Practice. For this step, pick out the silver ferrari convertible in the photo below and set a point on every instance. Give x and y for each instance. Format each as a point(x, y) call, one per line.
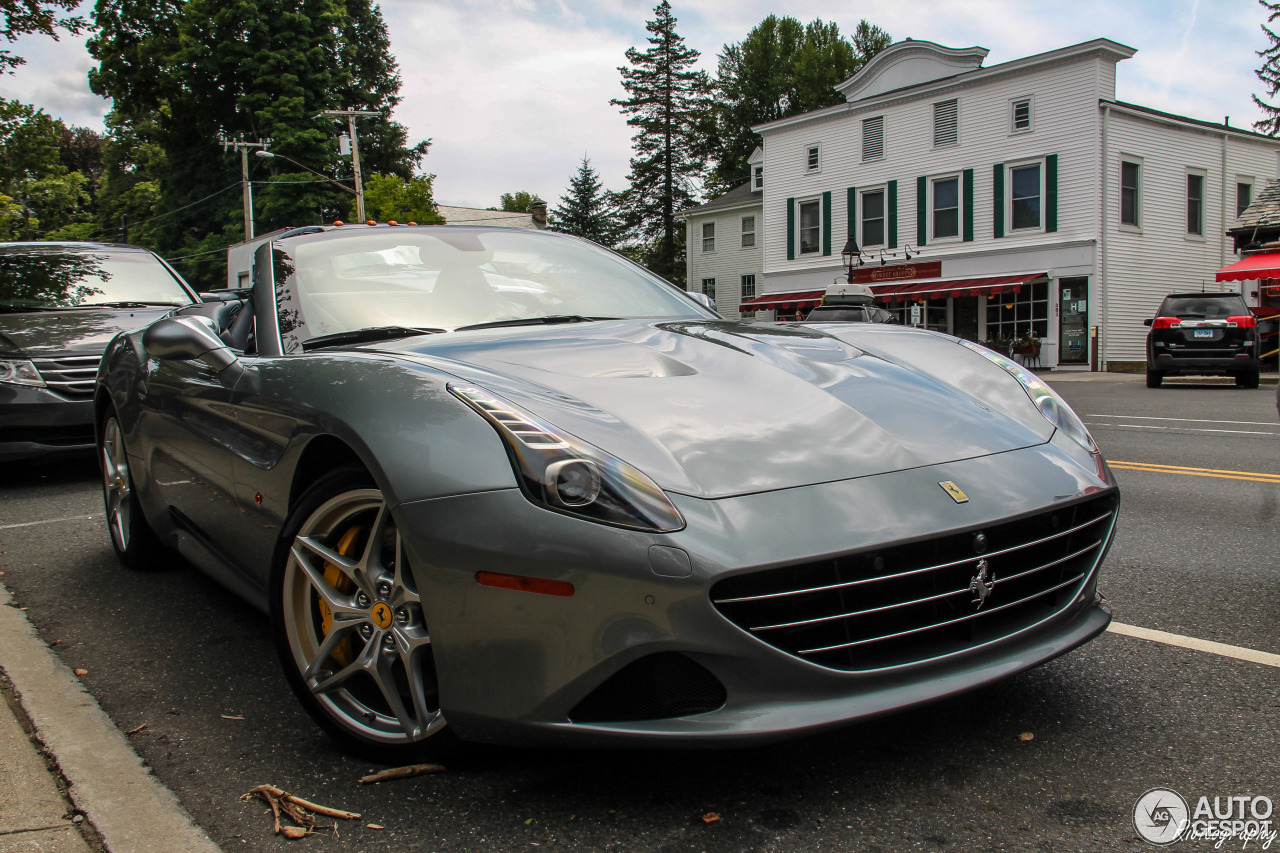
point(506, 486)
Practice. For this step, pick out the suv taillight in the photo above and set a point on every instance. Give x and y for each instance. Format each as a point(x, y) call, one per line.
point(1249, 322)
point(1166, 323)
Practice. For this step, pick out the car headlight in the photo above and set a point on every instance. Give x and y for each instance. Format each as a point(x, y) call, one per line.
point(17, 371)
point(1053, 407)
point(568, 475)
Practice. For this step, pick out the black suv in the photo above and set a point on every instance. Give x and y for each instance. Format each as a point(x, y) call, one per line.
point(850, 314)
point(1203, 334)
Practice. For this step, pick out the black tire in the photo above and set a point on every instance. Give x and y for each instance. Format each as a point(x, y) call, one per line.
point(1154, 379)
point(345, 674)
point(135, 543)
point(1248, 380)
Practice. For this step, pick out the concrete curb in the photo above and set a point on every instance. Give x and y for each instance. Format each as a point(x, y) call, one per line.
point(130, 809)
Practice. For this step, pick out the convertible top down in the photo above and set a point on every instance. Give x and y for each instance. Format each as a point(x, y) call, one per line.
point(510, 487)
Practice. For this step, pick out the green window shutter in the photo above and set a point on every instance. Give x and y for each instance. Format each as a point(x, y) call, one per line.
point(922, 215)
point(892, 202)
point(968, 205)
point(791, 229)
point(826, 223)
point(997, 199)
point(1051, 192)
point(853, 212)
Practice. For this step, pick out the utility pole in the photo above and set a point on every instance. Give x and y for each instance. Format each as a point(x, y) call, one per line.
point(351, 116)
point(243, 147)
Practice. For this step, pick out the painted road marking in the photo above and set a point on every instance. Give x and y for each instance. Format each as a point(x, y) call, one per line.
point(1226, 651)
point(1153, 468)
point(1185, 429)
point(48, 521)
point(1184, 420)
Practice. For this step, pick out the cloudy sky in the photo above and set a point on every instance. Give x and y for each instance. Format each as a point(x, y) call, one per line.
point(515, 92)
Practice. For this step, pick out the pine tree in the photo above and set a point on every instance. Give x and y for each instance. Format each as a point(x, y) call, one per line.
point(667, 100)
point(1269, 74)
point(585, 209)
point(782, 68)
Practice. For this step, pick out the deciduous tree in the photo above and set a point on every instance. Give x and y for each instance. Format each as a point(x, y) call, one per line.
point(1269, 73)
point(782, 68)
point(22, 17)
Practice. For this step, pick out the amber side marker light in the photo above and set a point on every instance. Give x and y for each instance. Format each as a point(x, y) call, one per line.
point(520, 583)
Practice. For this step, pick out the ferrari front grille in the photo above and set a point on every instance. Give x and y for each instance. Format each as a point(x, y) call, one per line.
point(70, 376)
point(916, 601)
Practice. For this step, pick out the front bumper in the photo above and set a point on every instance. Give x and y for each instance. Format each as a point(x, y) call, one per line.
point(37, 422)
point(513, 665)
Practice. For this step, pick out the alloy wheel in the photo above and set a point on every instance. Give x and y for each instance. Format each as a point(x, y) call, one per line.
point(354, 622)
point(116, 484)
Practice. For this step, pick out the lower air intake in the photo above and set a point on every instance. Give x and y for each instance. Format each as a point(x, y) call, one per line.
point(656, 687)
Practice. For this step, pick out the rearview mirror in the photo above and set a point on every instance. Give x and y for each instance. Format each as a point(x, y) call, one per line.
point(704, 300)
point(190, 338)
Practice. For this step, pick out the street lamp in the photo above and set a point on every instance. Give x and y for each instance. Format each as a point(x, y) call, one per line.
point(848, 253)
point(272, 155)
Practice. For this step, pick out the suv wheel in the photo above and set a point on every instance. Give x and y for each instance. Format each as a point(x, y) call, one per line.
point(1154, 379)
point(1247, 380)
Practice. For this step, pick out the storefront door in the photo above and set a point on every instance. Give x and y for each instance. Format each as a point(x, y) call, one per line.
point(1073, 321)
point(965, 317)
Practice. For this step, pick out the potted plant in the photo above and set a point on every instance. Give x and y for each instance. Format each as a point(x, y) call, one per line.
point(1028, 344)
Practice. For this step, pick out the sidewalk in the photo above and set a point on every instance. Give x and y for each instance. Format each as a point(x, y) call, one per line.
point(93, 793)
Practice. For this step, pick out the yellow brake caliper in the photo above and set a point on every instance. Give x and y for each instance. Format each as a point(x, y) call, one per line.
point(339, 581)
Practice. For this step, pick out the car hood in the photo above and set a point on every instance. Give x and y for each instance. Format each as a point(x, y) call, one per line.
point(70, 331)
point(714, 409)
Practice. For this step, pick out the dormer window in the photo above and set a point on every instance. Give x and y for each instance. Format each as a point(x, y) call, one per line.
point(757, 177)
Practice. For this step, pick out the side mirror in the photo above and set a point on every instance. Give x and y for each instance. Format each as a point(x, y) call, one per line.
point(1147, 322)
point(189, 338)
point(704, 300)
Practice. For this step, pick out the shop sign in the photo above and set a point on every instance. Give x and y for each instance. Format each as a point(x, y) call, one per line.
point(897, 272)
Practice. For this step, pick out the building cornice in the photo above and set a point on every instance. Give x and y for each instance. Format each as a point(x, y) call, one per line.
point(1028, 64)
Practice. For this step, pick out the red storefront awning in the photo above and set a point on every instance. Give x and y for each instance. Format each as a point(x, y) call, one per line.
point(913, 290)
point(785, 301)
point(1263, 265)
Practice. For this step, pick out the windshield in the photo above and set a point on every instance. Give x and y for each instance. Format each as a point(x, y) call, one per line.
point(449, 278)
point(61, 277)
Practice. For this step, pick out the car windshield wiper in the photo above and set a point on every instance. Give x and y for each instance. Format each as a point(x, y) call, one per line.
point(364, 336)
point(534, 321)
point(130, 304)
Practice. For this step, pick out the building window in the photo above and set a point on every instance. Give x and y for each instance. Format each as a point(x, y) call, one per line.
point(1130, 181)
point(709, 288)
point(1021, 115)
point(748, 231)
point(1024, 197)
point(873, 138)
point(1244, 197)
point(708, 236)
point(811, 159)
point(946, 207)
point(1013, 315)
point(945, 131)
point(1195, 205)
point(757, 177)
point(748, 287)
point(873, 218)
point(810, 227)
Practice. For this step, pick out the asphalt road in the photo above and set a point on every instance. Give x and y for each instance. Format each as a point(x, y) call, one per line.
point(1196, 555)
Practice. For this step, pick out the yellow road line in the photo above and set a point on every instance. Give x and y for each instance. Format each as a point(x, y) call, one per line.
point(1151, 467)
point(1237, 652)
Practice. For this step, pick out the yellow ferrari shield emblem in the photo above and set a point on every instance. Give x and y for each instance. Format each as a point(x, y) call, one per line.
point(957, 494)
point(381, 615)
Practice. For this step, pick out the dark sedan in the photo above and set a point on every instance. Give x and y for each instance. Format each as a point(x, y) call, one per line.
point(60, 303)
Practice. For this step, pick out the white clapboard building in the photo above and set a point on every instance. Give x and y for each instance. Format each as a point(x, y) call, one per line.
point(1004, 202)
